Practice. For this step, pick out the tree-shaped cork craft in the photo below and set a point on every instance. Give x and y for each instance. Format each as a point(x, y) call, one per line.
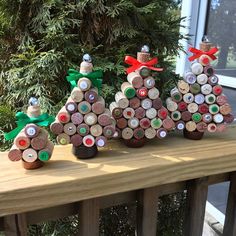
point(31, 141)
point(137, 108)
point(198, 104)
point(84, 121)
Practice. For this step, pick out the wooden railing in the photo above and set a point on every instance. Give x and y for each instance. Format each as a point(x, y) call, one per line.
point(66, 186)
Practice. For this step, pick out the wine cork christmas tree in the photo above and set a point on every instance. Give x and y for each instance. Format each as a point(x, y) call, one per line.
point(84, 121)
point(137, 108)
point(198, 104)
point(31, 143)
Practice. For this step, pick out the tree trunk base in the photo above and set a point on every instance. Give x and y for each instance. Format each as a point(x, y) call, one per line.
point(32, 165)
point(83, 152)
point(194, 135)
point(135, 143)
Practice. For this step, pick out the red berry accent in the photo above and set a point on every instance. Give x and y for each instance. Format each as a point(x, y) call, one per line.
point(129, 113)
point(62, 118)
point(89, 141)
point(163, 114)
point(213, 127)
point(22, 142)
point(205, 60)
point(142, 92)
point(182, 106)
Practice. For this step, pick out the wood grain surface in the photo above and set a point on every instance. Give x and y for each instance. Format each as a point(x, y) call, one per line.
point(116, 169)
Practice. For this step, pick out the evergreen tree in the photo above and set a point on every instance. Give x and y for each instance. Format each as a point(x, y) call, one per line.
point(42, 39)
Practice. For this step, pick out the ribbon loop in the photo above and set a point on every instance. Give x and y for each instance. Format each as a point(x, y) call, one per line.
point(135, 64)
point(95, 77)
point(197, 53)
point(22, 120)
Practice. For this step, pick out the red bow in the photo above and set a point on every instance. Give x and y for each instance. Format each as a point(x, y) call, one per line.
point(198, 53)
point(135, 64)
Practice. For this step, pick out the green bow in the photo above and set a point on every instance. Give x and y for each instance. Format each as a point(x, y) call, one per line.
point(23, 120)
point(95, 77)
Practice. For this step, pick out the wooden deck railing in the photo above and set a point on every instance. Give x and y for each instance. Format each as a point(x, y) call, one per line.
point(118, 175)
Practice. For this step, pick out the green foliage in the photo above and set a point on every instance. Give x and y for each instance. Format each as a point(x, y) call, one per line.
point(7, 123)
point(45, 38)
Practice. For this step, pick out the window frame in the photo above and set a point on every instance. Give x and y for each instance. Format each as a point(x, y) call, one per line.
point(196, 13)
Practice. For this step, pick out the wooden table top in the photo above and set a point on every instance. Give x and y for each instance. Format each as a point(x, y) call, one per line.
point(64, 179)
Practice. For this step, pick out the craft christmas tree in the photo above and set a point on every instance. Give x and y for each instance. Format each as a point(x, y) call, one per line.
point(138, 110)
point(198, 104)
point(84, 121)
point(31, 143)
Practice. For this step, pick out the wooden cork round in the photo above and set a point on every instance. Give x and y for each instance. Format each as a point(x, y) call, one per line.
point(83, 152)
point(168, 124)
point(105, 118)
point(71, 106)
point(63, 139)
point(99, 106)
point(22, 141)
point(149, 82)
point(127, 133)
point(77, 118)
point(201, 126)
point(34, 111)
point(84, 84)
point(228, 118)
point(122, 123)
point(162, 113)
point(84, 107)
point(56, 127)
point(70, 129)
point(128, 113)
point(77, 95)
point(29, 155)
point(76, 140)
point(205, 46)
point(83, 129)
point(86, 67)
point(191, 126)
point(91, 118)
point(142, 92)
point(143, 56)
point(88, 140)
point(133, 122)
point(40, 141)
point(139, 133)
point(192, 107)
point(108, 131)
point(15, 154)
point(31, 130)
point(96, 130)
point(46, 153)
point(183, 87)
point(91, 95)
point(116, 111)
point(157, 103)
point(221, 99)
point(140, 113)
point(135, 79)
point(101, 141)
point(121, 100)
point(153, 93)
point(212, 128)
point(32, 165)
point(150, 133)
point(145, 123)
point(134, 103)
point(63, 116)
point(225, 109)
point(186, 116)
point(151, 113)
point(171, 105)
point(161, 133)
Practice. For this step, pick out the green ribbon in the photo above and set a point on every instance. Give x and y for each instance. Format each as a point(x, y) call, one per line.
point(95, 77)
point(23, 120)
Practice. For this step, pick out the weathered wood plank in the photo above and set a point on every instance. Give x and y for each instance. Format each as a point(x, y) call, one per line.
point(89, 211)
point(52, 213)
point(116, 169)
point(230, 216)
point(147, 212)
point(15, 225)
point(196, 203)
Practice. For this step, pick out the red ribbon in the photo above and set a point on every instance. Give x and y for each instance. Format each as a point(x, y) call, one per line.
point(197, 53)
point(135, 64)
